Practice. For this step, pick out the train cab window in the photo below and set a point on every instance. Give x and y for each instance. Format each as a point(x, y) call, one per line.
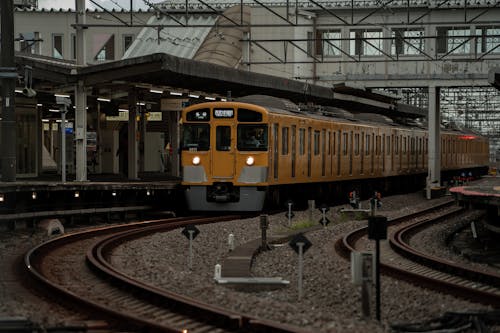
point(223, 138)
point(195, 137)
point(284, 141)
point(198, 115)
point(252, 137)
point(245, 115)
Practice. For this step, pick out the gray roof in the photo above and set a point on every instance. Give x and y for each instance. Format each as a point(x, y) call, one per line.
point(180, 42)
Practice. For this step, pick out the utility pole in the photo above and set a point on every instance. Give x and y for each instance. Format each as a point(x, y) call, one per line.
point(80, 96)
point(8, 74)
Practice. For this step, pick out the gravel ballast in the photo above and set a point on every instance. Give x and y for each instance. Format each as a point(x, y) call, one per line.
point(330, 302)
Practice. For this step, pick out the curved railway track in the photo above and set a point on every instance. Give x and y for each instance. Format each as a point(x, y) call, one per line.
point(75, 267)
point(403, 261)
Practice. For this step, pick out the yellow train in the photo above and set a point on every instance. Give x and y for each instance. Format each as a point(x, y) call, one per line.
point(238, 155)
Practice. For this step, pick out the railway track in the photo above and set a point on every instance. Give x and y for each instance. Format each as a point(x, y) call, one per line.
point(403, 261)
point(75, 268)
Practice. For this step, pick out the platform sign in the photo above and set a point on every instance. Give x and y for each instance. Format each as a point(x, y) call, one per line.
point(300, 241)
point(289, 214)
point(190, 231)
point(324, 220)
point(300, 244)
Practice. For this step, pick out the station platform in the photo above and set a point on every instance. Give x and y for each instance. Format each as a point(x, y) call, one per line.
point(47, 196)
point(488, 193)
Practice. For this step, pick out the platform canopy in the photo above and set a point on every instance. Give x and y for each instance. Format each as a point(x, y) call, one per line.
point(117, 78)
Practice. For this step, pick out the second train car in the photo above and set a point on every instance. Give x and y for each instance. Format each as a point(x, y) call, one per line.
point(236, 155)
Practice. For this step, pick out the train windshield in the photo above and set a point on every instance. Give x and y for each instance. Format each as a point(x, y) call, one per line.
point(252, 137)
point(195, 137)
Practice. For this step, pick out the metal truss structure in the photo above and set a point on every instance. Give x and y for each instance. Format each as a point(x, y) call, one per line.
point(358, 32)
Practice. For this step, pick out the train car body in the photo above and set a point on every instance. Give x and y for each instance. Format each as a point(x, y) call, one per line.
point(236, 155)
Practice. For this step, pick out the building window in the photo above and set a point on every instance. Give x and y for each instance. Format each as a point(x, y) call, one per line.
point(365, 42)
point(30, 43)
point(127, 41)
point(488, 40)
point(328, 43)
point(73, 46)
point(454, 40)
point(57, 46)
point(407, 42)
point(106, 46)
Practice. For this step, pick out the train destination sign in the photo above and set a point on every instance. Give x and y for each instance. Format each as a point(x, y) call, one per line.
point(223, 113)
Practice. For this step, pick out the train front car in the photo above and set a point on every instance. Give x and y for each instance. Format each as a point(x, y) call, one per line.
point(224, 156)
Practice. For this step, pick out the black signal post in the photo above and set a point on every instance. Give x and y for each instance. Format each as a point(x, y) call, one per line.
point(377, 230)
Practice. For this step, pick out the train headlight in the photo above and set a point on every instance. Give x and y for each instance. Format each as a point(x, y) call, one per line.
point(196, 160)
point(250, 160)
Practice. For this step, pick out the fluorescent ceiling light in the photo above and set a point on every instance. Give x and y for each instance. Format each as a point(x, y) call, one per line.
point(210, 98)
point(194, 96)
point(156, 91)
point(19, 91)
point(175, 93)
point(141, 103)
point(100, 99)
point(223, 100)
point(62, 95)
point(123, 110)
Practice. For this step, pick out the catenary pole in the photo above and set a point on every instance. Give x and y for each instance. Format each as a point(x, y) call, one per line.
point(8, 75)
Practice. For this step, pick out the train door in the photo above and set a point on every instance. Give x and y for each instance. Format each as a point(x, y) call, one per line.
point(223, 156)
point(275, 150)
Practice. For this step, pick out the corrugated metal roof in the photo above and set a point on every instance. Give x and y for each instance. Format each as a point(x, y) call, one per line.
point(181, 42)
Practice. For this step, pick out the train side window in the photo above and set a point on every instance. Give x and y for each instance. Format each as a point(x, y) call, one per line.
point(377, 145)
point(367, 145)
point(294, 148)
point(344, 143)
point(302, 135)
point(404, 145)
point(396, 145)
point(245, 115)
point(334, 139)
point(356, 144)
point(388, 148)
point(284, 141)
point(329, 143)
point(323, 152)
point(316, 142)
